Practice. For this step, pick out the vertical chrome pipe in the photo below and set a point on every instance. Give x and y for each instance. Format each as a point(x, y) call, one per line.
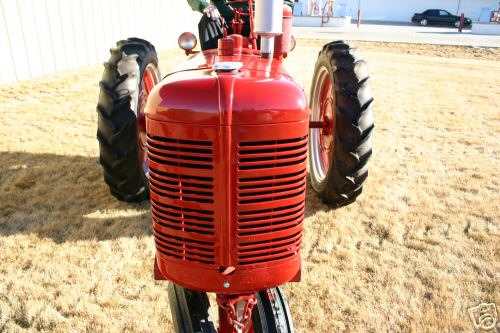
point(268, 23)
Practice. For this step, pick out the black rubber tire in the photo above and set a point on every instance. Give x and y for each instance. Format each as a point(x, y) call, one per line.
point(190, 311)
point(352, 138)
point(272, 313)
point(117, 123)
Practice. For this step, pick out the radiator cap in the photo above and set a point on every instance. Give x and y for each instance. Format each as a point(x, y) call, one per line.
point(227, 66)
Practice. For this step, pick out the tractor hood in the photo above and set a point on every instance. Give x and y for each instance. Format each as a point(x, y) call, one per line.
point(259, 92)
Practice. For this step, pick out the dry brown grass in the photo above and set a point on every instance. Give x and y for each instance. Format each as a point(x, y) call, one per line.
point(419, 247)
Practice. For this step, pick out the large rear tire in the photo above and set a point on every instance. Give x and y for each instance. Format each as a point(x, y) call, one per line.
point(190, 311)
point(129, 75)
point(342, 101)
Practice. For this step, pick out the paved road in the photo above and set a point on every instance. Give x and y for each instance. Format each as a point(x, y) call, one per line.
point(400, 34)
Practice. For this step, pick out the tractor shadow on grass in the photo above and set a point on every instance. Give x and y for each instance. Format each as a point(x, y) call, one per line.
point(64, 198)
point(314, 203)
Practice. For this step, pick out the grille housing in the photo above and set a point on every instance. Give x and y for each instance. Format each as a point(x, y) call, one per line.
point(282, 189)
point(235, 204)
point(182, 229)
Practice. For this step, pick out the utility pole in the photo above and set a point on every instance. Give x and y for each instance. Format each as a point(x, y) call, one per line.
point(459, 5)
point(359, 13)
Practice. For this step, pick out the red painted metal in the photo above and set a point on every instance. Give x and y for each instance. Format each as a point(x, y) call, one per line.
point(158, 276)
point(239, 43)
point(237, 23)
point(226, 47)
point(317, 124)
point(462, 21)
point(235, 312)
point(149, 80)
point(227, 157)
point(283, 44)
point(327, 115)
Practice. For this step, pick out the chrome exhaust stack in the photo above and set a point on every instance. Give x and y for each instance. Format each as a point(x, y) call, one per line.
point(268, 24)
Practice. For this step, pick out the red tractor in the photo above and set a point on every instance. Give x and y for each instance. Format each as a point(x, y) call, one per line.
point(220, 147)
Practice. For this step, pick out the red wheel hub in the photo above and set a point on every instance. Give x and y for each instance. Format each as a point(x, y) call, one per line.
point(327, 116)
point(149, 80)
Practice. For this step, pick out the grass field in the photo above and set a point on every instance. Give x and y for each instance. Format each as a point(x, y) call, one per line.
point(420, 247)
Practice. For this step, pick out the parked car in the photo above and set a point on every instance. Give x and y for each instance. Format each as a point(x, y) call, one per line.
point(439, 17)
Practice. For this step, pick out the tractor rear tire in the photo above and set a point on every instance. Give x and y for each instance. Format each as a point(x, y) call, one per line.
point(341, 98)
point(118, 122)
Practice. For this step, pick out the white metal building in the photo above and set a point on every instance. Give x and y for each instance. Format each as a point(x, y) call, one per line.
point(39, 37)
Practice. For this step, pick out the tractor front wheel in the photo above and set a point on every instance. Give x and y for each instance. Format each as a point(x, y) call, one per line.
point(341, 103)
point(129, 76)
point(191, 312)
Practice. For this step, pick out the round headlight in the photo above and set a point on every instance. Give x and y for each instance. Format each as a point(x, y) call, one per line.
point(187, 41)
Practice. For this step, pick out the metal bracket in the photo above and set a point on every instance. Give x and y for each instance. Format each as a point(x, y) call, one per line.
point(237, 310)
point(157, 274)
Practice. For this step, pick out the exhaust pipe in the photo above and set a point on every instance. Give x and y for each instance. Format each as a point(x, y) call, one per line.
point(268, 24)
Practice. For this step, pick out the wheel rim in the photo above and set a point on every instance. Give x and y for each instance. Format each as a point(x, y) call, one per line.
point(423, 22)
point(323, 109)
point(457, 24)
point(193, 309)
point(149, 80)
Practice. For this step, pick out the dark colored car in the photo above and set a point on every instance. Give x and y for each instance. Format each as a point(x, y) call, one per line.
point(439, 17)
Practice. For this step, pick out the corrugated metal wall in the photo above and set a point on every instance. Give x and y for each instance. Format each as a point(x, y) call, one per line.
point(39, 37)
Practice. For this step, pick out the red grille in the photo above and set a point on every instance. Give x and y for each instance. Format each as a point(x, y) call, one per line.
point(182, 198)
point(271, 206)
point(182, 218)
point(181, 187)
point(269, 154)
point(182, 153)
point(184, 248)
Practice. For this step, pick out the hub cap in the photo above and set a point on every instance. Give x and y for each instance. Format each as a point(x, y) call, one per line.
point(149, 80)
point(323, 110)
